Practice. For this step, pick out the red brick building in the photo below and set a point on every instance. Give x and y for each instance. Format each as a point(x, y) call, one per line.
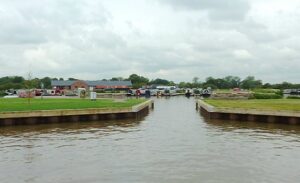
point(73, 85)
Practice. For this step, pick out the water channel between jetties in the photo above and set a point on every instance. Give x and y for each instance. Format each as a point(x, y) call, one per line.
point(173, 143)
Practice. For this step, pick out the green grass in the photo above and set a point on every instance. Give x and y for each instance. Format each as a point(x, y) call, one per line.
point(269, 104)
point(20, 104)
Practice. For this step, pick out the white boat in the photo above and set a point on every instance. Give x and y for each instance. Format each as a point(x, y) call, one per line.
point(167, 90)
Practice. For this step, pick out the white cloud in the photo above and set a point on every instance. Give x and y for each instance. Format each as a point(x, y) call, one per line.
point(242, 54)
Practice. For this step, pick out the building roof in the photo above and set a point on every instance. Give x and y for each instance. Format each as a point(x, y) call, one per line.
point(109, 83)
point(92, 83)
point(61, 83)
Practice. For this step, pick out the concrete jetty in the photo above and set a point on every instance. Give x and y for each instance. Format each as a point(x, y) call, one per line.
point(271, 116)
point(73, 115)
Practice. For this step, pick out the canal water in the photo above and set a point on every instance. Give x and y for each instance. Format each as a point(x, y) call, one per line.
point(173, 143)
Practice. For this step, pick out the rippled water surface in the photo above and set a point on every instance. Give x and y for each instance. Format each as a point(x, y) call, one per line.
point(173, 143)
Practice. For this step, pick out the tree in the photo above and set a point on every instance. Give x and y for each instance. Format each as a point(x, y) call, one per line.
point(250, 83)
point(267, 85)
point(172, 83)
point(182, 85)
point(138, 81)
point(61, 79)
point(210, 82)
point(195, 80)
point(232, 81)
point(159, 81)
point(36, 83)
point(209, 85)
point(47, 82)
point(117, 79)
point(18, 79)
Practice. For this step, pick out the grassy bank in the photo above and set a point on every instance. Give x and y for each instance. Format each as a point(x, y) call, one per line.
point(19, 104)
point(269, 104)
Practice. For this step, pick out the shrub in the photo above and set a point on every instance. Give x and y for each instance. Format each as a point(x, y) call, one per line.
point(2, 93)
point(270, 91)
point(266, 96)
point(260, 90)
point(293, 97)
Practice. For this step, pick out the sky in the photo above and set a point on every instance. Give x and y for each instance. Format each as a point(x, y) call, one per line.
point(171, 39)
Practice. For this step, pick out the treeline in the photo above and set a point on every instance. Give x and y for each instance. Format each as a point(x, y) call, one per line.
point(228, 82)
point(18, 82)
point(249, 82)
point(140, 81)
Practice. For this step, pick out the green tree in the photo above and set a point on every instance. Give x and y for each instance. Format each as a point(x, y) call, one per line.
point(195, 80)
point(250, 83)
point(232, 81)
point(47, 82)
point(160, 81)
point(18, 79)
point(182, 85)
point(267, 85)
point(285, 85)
point(211, 82)
point(117, 79)
point(138, 81)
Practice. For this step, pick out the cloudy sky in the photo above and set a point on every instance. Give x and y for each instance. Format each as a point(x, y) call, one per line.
point(171, 39)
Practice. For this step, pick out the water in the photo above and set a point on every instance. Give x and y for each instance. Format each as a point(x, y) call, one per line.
point(173, 143)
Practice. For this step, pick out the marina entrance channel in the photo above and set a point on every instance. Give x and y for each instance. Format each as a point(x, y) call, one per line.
point(172, 143)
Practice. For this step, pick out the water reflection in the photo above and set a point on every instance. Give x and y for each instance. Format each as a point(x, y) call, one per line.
point(271, 135)
point(231, 125)
point(71, 127)
point(14, 138)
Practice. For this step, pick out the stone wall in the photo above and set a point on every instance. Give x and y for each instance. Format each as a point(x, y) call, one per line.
point(210, 112)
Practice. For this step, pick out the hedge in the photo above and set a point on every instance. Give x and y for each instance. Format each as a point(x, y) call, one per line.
point(293, 97)
point(266, 96)
point(269, 91)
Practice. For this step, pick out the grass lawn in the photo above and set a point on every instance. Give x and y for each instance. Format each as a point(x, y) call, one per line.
point(21, 104)
point(268, 104)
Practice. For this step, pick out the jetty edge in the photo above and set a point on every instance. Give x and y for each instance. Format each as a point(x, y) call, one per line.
point(74, 115)
point(242, 114)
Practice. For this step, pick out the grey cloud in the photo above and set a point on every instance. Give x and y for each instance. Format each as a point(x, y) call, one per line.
point(88, 40)
point(20, 35)
point(34, 22)
point(258, 32)
point(232, 10)
point(251, 29)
